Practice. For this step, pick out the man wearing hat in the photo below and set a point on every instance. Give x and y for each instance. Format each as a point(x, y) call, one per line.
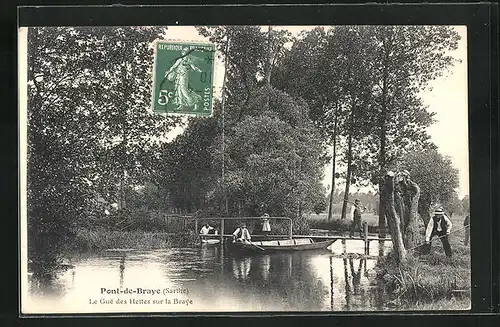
point(241, 234)
point(439, 225)
point(356, 212)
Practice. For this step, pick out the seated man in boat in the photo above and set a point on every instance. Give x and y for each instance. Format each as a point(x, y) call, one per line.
point(207, 229)
point(241, 234)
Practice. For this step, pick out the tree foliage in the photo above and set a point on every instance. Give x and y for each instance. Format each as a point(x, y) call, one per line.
point(90, 130)
point(436, 175)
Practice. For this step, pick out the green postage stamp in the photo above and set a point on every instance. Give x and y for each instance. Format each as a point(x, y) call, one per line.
point(183, 75)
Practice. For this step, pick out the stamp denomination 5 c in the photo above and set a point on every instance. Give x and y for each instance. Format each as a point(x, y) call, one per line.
point(183, 77)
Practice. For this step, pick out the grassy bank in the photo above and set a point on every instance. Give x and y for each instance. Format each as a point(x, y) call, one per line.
point(103, 239)
point(430, 281)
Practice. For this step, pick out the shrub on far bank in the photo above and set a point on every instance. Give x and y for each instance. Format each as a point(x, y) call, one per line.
point(104, 239)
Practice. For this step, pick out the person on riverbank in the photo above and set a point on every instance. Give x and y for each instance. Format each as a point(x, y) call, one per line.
point(356, 225)
point(266, 227)
point(439, 225)
point(241, 234)
point(467, 229)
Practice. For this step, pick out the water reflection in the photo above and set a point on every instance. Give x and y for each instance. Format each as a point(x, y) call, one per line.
point(217, 281)
point(241, 267)
point(356, 276)
point(122, 269)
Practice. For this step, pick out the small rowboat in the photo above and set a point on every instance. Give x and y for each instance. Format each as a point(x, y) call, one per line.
point(297, 244)
point(206, 240)
point(210, 241)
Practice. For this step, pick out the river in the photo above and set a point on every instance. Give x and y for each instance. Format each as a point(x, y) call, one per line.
point(205, 278)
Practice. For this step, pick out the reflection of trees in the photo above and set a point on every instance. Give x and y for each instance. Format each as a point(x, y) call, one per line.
point(288, 277)
point(356, 276)
point(122, 269)
point(47, 284)
point(365, 297)
point(347, 286)
point(265, 263)
point(241, 267)
point(331, 283)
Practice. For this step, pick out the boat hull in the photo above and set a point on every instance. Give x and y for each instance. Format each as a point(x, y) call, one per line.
point(279, 246)
point(210, 241)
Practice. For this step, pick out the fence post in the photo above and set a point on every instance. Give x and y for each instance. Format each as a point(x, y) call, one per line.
point(222, 231)
point(367, 244)
point(195, 226)
point(290, 231)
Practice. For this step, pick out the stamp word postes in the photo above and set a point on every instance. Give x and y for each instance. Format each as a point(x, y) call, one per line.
point(183, 78)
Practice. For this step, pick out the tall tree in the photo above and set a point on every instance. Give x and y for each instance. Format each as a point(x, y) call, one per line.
point(311, 71)
point(332, 72)
point(406, 59)
point(89, 123)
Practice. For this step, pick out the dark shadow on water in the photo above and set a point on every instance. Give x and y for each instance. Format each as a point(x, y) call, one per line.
point(44, 278)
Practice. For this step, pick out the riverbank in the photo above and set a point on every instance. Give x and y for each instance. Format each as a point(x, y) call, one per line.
point(430, 281)
point(104, 239)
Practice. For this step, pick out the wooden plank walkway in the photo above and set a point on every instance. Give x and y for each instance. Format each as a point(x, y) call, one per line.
point(329, 237)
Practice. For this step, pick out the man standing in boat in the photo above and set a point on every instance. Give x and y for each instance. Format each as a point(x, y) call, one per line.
point(241, 234)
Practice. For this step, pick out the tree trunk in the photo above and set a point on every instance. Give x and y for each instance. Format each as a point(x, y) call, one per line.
point(348, 177)
point(383, 135)
point(269, 57)
point(332, 191)
point(387, 198)
point(412, 234)
point(399, 205)
point(226, 208)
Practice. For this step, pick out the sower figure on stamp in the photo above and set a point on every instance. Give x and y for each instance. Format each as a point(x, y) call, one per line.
point(179, 75)
point(440, 225)
point(357, 210)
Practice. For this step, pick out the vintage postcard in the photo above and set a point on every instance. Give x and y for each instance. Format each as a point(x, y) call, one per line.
point(246, 168)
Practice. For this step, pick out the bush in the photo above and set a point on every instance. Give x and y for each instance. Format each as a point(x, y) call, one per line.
point(103, 239)
point(415, 280)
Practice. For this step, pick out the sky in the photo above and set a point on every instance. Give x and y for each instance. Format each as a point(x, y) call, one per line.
point(447, 99)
